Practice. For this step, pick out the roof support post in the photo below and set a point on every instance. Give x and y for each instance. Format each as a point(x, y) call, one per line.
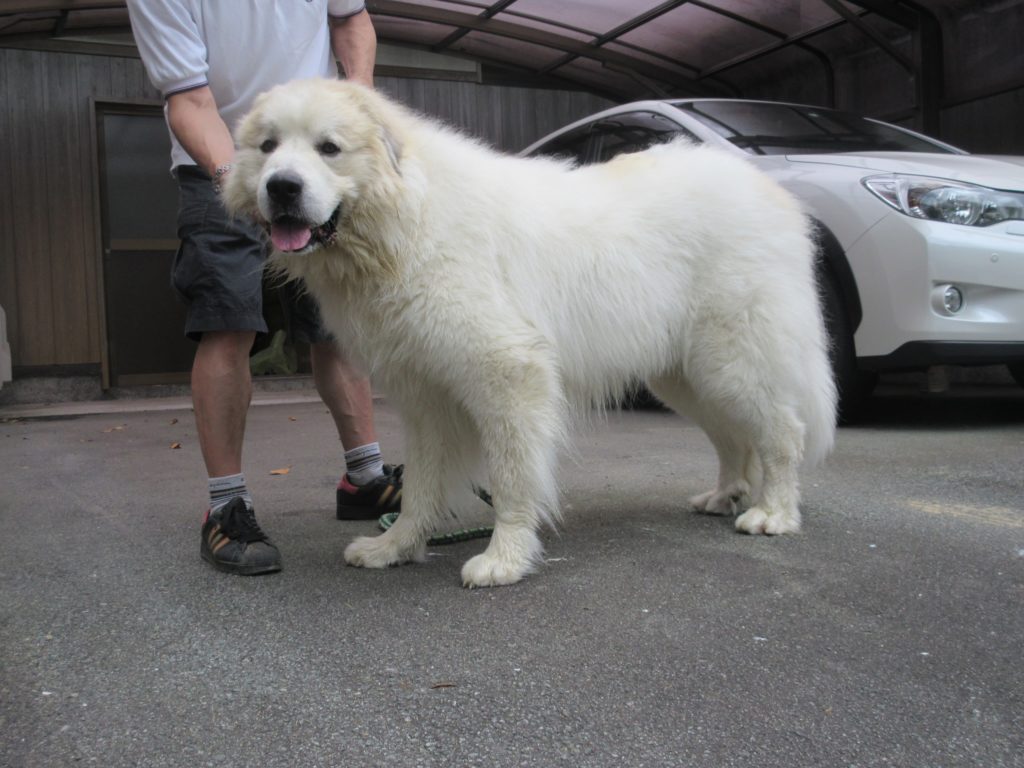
point(927, 59)
point(930, 84)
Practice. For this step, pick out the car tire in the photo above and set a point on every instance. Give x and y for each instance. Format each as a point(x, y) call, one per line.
point(854, 385)
point(1017, 371)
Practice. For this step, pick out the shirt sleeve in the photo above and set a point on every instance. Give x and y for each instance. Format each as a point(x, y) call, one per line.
point(342, 9)
point(170, 45)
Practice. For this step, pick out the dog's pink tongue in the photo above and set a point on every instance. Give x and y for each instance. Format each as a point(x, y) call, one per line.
point(287, 236)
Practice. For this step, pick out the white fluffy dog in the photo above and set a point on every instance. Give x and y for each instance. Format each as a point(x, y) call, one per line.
point(495, 299)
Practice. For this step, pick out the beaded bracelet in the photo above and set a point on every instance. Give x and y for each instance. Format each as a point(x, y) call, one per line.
point(220, 174)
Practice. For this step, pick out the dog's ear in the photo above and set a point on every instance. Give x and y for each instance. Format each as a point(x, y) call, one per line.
point(392, 147)
point(382, 115)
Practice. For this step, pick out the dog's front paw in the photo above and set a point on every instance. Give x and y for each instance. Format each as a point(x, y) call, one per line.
point(378, 552)
point(485, 570)
point(756, 521)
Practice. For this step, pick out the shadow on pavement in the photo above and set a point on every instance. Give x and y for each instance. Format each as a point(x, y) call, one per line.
point(959, 407)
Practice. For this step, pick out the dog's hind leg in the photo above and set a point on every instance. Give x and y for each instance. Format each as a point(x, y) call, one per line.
point(779, 444)
point(738, 467)
point(438, 443)
point(521, 420)
point(775, 436)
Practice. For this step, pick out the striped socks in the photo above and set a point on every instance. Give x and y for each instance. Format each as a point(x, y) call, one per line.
point(364, 464)
point(224, 489)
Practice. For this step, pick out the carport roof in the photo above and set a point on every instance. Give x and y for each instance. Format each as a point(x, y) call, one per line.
point(621, 48)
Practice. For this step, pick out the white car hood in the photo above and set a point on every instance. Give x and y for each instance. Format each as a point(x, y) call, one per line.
point(988, 171)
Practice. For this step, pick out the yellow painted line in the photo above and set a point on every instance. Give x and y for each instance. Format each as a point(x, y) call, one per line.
point(1004, 516)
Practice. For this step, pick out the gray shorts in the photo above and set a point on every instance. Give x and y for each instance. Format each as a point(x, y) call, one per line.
point(218, 269)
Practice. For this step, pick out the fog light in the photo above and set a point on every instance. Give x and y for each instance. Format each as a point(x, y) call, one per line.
point(952, 299)
point(947, 299)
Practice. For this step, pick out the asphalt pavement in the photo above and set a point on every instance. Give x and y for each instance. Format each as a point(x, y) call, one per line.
point(888, 633)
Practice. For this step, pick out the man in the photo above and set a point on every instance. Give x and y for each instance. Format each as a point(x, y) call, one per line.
point(210, 59)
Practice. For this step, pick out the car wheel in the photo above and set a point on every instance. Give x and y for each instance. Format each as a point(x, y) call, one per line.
point(1017, 371)
point(854, 385)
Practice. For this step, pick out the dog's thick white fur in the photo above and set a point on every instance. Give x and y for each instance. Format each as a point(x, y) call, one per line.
point(495, 299)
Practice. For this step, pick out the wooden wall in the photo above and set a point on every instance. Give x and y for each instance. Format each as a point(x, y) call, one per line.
point(49, 249)
point(49, 281)
point(508, 118)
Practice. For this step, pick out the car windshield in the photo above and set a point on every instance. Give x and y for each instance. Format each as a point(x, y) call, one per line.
point(784, 129)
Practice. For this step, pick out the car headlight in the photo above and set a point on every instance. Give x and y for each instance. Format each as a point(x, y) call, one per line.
point(944, 200)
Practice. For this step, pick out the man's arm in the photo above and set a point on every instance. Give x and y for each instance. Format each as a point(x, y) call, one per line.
point(199, 128)
point(354, 42)
point(175, 56)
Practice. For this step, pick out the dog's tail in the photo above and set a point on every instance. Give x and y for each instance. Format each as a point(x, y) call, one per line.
point(818, 405)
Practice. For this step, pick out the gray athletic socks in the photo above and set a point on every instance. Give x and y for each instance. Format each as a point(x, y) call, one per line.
point(224, 489)
point(364, 464)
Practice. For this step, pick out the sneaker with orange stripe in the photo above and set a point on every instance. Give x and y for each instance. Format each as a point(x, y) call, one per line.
point(370, 501)
point(232, 541)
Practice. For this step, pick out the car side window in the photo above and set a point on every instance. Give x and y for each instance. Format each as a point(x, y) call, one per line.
point(633, 132)
point(571, 146)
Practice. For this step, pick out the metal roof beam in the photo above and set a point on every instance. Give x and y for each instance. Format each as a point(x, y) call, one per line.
point(533, 36)
point(460, 33)
point(892, 11)
point(622, 29)
point(823, 59)
point(877, 38)
point(769, 49)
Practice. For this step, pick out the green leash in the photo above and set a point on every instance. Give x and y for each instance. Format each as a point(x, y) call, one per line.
point(462, 534)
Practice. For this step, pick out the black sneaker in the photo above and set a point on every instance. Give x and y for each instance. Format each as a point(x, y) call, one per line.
point(232, 541)
point(370, 501)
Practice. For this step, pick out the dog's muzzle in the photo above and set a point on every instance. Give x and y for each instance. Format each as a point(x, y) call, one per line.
point(289, 229)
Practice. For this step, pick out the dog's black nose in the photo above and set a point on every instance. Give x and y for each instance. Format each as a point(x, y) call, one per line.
point(284, 187)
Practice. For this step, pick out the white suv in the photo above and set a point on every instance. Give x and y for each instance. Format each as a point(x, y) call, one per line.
point(921, 244)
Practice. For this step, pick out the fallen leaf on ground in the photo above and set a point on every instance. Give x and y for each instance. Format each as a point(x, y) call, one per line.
point(283, 471)
point(292, 418)
point(173, 421)
point(175, 446)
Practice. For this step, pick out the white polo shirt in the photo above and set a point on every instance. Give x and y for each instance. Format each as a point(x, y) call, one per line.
point(239, 48)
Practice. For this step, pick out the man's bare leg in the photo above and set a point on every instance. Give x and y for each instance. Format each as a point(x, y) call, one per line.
point(221, 391)
point(368, 489)
point(346, 391)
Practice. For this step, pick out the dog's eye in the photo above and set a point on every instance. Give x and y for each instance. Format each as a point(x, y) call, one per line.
point(268, 146)
point(328, 148)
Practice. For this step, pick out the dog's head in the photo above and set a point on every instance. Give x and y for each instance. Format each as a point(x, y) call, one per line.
point(308, 152)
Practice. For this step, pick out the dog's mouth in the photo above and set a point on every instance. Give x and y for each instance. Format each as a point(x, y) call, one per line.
point(290, 234)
